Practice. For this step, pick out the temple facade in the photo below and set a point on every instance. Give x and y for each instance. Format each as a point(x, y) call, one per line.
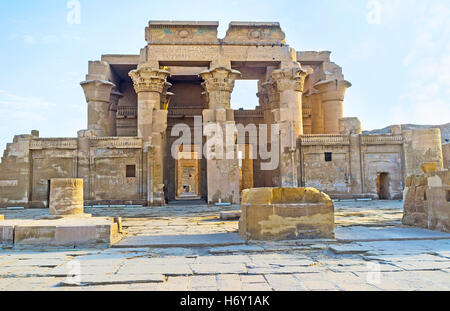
point(140, 105)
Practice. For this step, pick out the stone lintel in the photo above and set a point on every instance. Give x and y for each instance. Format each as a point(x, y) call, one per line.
point(313, 56)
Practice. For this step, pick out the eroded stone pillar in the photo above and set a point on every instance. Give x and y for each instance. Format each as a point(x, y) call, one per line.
point(115, 97)
point(332, 94)
point(149, 84)
point(219, 129)
point(66, 197)
point(98, 96)
point(289, 82)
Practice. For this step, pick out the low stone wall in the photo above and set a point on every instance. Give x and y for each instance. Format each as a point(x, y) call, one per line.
point(286, 214)
point(427, 201)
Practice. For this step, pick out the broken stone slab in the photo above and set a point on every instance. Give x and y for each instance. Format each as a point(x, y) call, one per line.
point(115, 279)
point(230, 215)
point(170, 241)
point(236, 249)
point(349, 249)
point(286, 214)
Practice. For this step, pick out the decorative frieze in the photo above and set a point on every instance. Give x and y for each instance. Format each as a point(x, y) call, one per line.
point(382, 140)
point(116, 143)
point(310, 140)
point(53, 143)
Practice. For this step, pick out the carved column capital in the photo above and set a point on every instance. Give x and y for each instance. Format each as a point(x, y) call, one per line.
point(148, 79)
point(97, 90)
point(166, 96)
point(219, 79)
point(114, 100)
point(332, 90)
point(290, 78)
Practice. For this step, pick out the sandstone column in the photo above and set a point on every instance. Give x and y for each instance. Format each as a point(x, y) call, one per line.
point(98, 96)
point(317, 112)
point(149, 84)
point(115, 97)
point(222, 166)
point(332, 93)
point(289, 82)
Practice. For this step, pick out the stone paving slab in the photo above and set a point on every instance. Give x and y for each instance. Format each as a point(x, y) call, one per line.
point(417, 263)
point(367, 234)
point(200, 240)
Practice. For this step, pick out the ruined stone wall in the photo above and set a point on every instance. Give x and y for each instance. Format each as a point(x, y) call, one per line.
point(50, 158)
point(446, 155)
point(347, 166)
point(427, 201)
point(15, 172)
point(30, 162)
point(382, 154)
point(330, 175)
point(109, 158)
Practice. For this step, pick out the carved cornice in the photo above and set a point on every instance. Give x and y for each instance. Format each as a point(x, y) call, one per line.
point(148, 79)
point(291, 78)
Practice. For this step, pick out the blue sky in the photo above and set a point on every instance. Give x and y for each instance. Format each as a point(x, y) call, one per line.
point(396, 53)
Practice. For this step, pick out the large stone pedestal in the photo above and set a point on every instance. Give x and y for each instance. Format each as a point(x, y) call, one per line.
point(66, 226)
point(286, 213)
point(427, 200)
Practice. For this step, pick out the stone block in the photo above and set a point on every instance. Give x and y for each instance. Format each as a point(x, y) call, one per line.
point(230, 215)
point(66, 197)
point(286, 213)
point(64, 232)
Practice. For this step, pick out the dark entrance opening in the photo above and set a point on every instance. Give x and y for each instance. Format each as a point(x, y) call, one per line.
point(383, 186)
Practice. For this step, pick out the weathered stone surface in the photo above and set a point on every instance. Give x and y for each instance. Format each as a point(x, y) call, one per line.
point(66, 197)
point(286, 213)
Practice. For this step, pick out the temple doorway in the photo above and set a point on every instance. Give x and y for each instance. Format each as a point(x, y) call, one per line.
point(187, 176)
point(383, 186)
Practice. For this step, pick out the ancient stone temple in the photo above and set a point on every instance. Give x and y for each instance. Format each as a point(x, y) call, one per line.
point(182, 80)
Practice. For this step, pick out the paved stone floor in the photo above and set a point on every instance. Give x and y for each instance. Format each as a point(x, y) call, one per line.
point(187, 247)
